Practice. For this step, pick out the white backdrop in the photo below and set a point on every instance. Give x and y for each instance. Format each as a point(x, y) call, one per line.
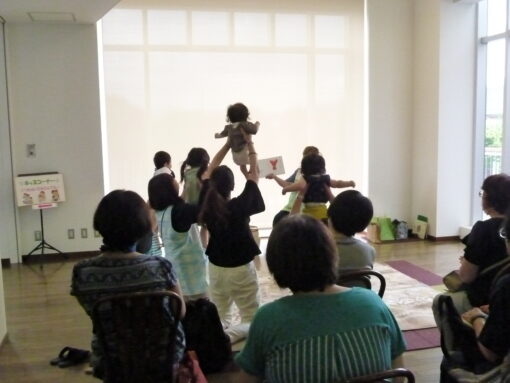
point(172, 70)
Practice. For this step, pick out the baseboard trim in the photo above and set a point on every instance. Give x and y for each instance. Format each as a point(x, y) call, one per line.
point(6, 262)
point(442, 239)
point(56, 257)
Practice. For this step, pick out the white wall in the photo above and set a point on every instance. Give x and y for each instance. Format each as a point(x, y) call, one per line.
point(390, 79)
point(456, 115)
point(425, 121)
point(7, 223)
point(54, 103)
point(443, 113)
point(421, 81)
point(8, 241)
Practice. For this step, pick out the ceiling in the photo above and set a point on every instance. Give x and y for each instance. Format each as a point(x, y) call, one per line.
point(55, 11)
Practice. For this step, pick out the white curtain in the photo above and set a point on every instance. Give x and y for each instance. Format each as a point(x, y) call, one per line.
point(171, 70)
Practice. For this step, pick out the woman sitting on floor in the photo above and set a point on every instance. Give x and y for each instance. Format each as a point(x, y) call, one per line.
point(122, 218)
point(323, 332)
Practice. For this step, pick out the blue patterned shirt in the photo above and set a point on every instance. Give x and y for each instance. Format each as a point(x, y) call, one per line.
point(102, 276)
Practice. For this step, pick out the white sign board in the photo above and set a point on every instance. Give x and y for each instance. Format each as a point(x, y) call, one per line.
point(271, 165)
point(39, 190)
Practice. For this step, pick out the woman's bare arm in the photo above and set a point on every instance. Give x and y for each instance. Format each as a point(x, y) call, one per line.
point(468, 271)
point(279, 181)
point(296, 186)
point(398, 362)
point(342, 184)
point(216, 161)
point(477, 318)
point(177, 289)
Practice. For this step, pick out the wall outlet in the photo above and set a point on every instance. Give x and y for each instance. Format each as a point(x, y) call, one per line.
point(37, 235)
point(84, 232)
point(30, 150)
point(70, 233)
point(96, 234)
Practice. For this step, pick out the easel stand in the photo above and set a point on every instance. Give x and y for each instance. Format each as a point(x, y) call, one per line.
point(43, 244)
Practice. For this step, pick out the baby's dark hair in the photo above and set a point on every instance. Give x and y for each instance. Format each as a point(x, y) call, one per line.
point(197, 158)
point(350, 212)
point(161, 158)
point(310, 150)
point(238, 112)
point(313, 164)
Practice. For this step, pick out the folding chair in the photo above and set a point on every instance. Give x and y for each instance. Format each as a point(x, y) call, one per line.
point(137, 333)
point(361, 278)
point(383, 376)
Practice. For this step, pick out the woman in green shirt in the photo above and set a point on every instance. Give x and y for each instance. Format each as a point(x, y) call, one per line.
point(323, 332)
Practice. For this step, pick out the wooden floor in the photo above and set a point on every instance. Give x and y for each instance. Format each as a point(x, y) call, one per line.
point(42, 317)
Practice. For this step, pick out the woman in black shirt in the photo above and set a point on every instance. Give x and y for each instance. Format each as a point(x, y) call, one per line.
point(231, 246)
point(484, 248)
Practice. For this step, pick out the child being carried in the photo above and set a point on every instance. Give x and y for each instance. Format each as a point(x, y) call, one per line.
point(318, 186)
point(237, 115)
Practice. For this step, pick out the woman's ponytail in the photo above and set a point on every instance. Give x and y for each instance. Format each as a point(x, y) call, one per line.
point(214, 211)
point(183, 166)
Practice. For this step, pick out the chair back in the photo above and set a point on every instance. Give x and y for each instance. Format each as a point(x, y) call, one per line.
point(137, 333)
point(361, 278)
point(384, 375)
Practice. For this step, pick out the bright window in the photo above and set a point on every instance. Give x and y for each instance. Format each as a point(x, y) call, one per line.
point(491, 148)
point(169, 82)
point(167, 27)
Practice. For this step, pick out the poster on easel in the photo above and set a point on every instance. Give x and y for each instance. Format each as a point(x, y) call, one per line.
point(39, 190)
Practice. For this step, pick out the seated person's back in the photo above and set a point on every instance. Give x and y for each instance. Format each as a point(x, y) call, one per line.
point(323, 332)
point(351, 333)
point(350, 213)
point(122, 218)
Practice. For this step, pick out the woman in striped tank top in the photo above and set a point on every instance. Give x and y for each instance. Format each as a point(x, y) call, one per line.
point(323, 332)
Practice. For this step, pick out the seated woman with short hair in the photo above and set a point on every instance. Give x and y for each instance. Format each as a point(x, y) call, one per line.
point(493, 330)
point(122, 218)
point(323, 332)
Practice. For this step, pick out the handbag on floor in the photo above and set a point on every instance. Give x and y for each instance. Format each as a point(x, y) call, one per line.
point(205, 335)
point(453, 282)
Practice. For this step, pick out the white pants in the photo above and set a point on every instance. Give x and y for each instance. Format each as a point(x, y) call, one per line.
point(237, 285)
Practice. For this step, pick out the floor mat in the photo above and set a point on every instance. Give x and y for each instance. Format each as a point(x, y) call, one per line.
point(422, 339)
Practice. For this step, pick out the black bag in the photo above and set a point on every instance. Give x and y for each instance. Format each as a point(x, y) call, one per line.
point(464, 345)
point(205, 335)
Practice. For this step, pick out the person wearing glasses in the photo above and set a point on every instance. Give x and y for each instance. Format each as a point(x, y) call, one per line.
point(490, 326)
point(485, 252)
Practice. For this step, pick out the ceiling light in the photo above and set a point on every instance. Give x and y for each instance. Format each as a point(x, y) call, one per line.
point(52, 17)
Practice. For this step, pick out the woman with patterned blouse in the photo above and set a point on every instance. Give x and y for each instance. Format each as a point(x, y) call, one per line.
point(122, 218)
